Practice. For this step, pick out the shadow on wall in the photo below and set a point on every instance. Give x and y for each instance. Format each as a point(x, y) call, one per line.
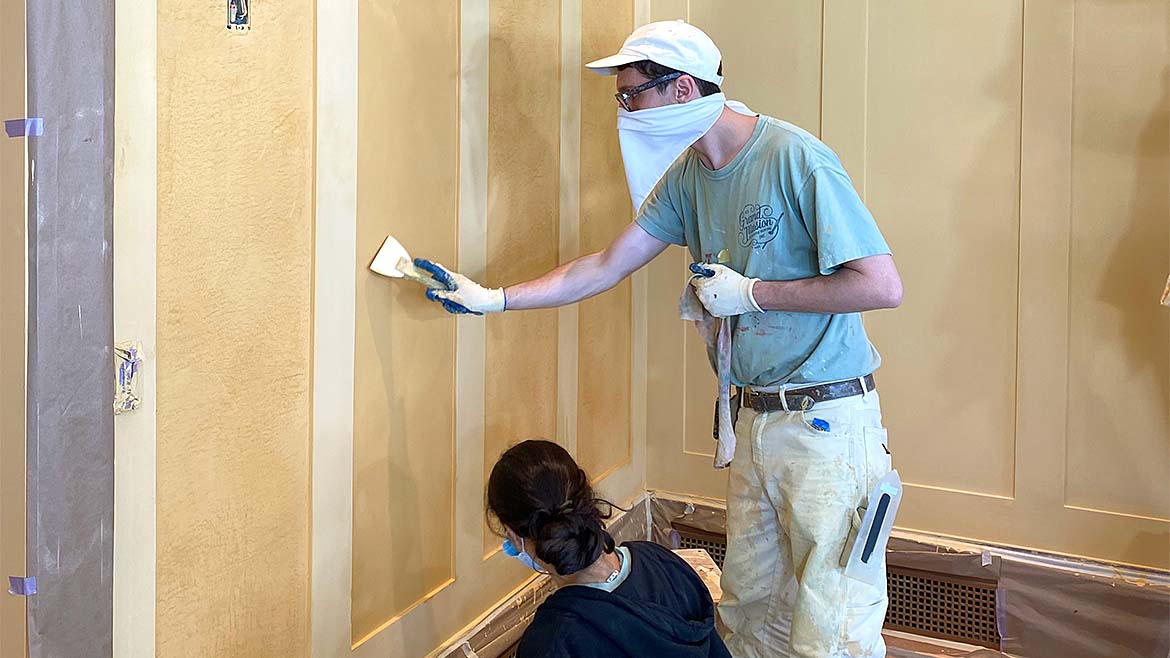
point(1134, 278)
point(1125, 295)
point(397, 497)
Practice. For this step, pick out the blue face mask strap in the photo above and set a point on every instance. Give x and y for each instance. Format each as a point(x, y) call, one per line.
point(531, 562)
point(521, 554)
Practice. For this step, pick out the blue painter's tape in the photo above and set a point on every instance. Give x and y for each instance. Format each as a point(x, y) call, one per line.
point(34, 127)
point(18, 586)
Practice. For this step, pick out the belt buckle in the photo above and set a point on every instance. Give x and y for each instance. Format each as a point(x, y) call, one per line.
point(745, 396)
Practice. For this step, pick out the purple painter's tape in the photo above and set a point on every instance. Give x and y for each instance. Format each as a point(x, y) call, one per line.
point(18, 586)
point(34, 127)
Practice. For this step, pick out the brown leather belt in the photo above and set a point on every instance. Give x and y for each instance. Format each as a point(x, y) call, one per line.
point(803, 399)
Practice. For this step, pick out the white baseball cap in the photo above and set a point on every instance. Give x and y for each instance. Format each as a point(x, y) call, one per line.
point(675, 44)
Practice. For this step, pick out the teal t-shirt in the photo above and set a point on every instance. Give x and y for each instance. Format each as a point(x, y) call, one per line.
point(783, 209)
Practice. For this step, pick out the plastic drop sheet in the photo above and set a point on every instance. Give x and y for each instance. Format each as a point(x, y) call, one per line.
point(70, 427)
point(1048, 606)
point(697, 514)
point(1051, 606)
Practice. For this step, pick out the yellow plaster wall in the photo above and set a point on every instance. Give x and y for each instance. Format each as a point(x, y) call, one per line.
point(234, 266)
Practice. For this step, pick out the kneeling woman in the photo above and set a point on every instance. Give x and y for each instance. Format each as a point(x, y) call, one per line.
point(638, 599)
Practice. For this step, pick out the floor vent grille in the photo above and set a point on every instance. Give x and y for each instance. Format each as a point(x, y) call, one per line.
point(714, 544)
point(943, 606)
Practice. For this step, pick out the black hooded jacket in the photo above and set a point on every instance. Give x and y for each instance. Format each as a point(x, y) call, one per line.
point(663, 609)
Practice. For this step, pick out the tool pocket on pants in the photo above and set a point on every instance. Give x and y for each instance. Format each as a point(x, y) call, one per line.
point(877, 465)
point(861, 634)
point(854, 531)
point(877, 456)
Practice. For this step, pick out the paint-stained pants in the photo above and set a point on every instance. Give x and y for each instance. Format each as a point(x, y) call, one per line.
point(792, 504)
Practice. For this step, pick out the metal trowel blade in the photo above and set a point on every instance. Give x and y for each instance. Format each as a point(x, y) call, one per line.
point(392, 260)
point(387, 260)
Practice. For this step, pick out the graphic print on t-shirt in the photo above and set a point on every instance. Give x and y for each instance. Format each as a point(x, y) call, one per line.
point(757, 226)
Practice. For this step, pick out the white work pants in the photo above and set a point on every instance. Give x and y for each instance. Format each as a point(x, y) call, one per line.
point(792, 501)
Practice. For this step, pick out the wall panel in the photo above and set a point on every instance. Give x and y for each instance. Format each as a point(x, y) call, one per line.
point(234, 276)
point(951, 216)
point(403, 491)
point(1119, 374)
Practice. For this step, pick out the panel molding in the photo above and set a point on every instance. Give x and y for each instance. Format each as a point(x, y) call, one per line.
point(1045, 216)
point(470, 331)
point(1127, 515)
point(951, 490)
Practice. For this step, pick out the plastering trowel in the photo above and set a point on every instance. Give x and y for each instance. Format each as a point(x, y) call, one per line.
point(392, 260)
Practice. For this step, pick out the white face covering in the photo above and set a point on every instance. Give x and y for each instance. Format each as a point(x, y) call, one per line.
point(653, 138)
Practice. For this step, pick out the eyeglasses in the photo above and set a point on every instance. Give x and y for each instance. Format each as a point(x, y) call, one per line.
point(623, 97)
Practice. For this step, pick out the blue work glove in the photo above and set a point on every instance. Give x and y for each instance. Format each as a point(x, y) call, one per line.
point(723, 291)
point(462, 295)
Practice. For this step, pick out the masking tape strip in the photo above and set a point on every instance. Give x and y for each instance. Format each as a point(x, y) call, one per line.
point(34, 127)
point(18, 586)
point(1001, 629)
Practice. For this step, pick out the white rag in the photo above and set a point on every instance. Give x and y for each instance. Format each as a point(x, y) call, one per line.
point(652, 139)
point(716, 333)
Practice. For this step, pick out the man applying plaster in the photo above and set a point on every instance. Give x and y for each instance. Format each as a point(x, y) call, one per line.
point(791, 257)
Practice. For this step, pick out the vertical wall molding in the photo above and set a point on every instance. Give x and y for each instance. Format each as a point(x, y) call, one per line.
point(1046, 152)
point(570, 219)
point(135, 229)
point(471, 331)
point(333, 327)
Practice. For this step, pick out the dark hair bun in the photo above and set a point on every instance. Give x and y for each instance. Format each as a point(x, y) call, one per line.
point(538, 491)
point(572, 540)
